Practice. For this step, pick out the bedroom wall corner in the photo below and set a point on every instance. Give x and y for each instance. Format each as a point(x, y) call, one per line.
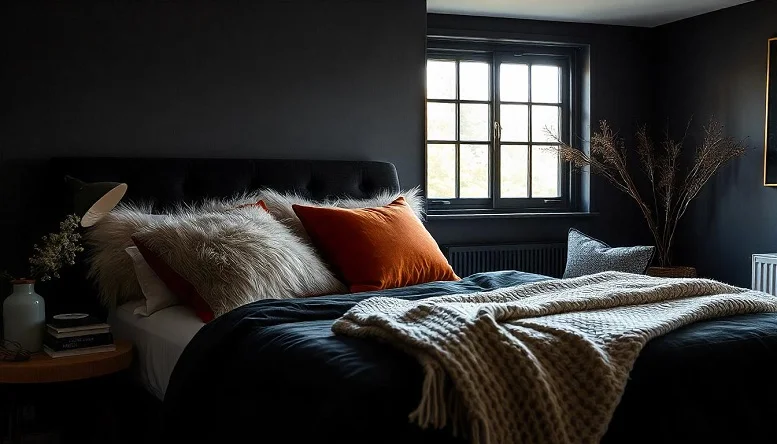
point(714, 65)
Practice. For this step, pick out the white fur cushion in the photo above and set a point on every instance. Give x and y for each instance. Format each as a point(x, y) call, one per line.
point(280, 204)
point(156, 293)
point(236, 257)
point(109, 265)
point(113, 270)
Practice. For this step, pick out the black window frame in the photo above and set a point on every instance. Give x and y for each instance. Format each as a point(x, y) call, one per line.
point(495, 53)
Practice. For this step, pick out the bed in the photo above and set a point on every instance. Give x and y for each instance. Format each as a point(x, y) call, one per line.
point(279, 361)
point(159, 341)
point(273, 371)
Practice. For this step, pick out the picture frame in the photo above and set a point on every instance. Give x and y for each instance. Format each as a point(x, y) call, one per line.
point(770, 131)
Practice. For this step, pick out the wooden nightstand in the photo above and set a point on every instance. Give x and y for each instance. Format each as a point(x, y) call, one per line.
point(41, 369)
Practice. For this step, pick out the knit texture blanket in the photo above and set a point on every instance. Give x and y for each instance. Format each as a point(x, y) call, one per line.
point(545, 362)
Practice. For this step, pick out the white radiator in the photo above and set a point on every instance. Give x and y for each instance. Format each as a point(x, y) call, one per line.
point(765, 273)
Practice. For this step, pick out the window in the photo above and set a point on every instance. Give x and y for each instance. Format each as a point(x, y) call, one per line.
point(491, 117)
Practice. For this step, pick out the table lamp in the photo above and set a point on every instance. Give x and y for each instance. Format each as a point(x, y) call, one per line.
point(92, 201)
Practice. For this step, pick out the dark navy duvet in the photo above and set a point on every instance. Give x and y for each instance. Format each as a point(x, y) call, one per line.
point(272, 371)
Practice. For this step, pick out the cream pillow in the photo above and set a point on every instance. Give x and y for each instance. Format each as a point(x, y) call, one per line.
point(156, 293)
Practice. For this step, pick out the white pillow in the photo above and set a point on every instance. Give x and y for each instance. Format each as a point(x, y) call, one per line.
point(157, 295)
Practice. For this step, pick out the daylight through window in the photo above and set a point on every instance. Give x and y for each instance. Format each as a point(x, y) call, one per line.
point(491, 118)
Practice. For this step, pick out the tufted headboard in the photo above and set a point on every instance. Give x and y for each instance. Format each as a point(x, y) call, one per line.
point(167, 181)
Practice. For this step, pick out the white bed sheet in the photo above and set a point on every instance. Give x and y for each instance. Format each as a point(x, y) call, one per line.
point(159, 340)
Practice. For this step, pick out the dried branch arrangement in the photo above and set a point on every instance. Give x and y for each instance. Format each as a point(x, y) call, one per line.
point(672, 191)
point(57, 250)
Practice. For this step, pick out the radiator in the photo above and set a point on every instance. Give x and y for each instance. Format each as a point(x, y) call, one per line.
point(765, 273)
point(546, 259)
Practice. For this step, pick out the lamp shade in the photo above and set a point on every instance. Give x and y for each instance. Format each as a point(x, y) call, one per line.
point(92, 201)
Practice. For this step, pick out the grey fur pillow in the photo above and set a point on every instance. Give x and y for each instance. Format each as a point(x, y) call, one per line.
point(239, 256)
point(586, 255)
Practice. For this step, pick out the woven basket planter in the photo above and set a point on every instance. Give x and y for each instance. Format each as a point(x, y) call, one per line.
point(672, 272)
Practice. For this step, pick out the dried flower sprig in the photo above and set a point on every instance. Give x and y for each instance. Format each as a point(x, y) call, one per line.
point(671, 193)
point(57, 250)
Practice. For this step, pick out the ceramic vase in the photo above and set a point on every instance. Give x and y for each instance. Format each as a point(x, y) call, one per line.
point(24, 316)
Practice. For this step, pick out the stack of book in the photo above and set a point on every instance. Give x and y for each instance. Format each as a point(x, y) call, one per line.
point(71, 335)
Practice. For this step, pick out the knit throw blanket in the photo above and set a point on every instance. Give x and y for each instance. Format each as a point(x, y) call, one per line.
point(545, 362)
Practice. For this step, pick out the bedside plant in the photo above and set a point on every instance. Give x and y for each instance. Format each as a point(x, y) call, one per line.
point(24, 311)
point(672, 190)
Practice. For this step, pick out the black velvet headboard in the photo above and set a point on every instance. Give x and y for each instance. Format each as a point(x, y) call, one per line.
point(166, 181)
point(169, 181)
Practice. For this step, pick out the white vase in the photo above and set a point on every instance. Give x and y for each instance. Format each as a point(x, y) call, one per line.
point(24, 316)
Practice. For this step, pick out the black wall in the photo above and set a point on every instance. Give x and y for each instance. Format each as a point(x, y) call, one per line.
point(619, 91)
point(715, 65)
point(339, 79)
point(335, 79)
point(343, 79)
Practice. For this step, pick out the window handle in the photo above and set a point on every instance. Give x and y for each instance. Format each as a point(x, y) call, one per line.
point(497, 132)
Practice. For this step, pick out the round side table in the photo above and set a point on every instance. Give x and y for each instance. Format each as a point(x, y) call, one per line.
point(42, 369)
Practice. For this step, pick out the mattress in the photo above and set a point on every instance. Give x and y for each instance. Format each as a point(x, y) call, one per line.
point(159, 340)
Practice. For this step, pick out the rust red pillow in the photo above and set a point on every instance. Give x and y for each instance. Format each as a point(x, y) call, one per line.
point(376, 248)
point(179, 286)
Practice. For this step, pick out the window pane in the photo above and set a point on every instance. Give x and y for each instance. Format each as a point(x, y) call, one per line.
point(440, 121)
point(441, 171)
point(440, 79)
point(474, 80)
point(515, 123)
point(513, 82)
point(545, 84)
point(544, 172)
point(515, 171)
point(544, 119)
point(473, 171)
point(474, 122)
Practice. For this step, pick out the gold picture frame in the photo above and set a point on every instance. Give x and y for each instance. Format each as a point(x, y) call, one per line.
point(770, 128)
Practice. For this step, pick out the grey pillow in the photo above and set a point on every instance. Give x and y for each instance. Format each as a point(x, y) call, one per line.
point(586, 255)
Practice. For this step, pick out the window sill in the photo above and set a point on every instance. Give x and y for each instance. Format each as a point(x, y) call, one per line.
point(434, 216)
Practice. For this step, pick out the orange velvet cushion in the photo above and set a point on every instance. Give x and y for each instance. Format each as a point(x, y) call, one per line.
point(376, 248)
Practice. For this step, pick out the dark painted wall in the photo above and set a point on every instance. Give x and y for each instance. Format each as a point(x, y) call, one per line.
point(620, 91)
point(304, 79)
point(715, 65)
point(339, 79)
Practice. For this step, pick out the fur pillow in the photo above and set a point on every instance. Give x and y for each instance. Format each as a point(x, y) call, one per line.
point(113, 271)
point(280, 204)
point(109, 265)
point(236, 257)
